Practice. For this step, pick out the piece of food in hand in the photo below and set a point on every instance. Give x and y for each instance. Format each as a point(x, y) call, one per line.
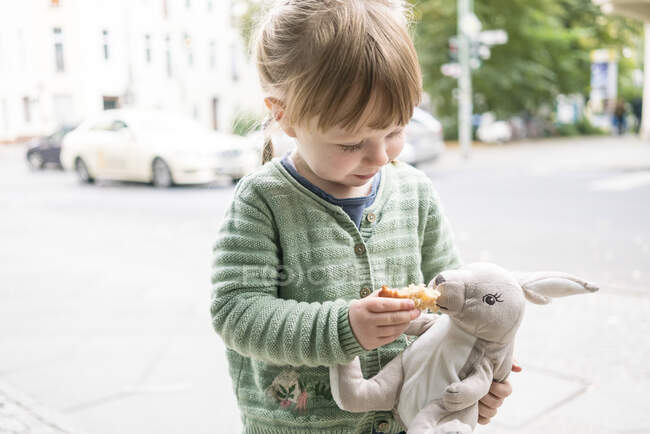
point(423, 296)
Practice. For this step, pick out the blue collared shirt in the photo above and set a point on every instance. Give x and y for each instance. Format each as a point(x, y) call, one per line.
point(353, 206)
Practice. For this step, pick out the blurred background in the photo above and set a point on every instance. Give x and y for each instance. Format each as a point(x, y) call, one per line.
point(125, 126)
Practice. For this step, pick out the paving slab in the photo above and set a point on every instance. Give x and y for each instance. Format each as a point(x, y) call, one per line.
point(105, 289)
point(21, 414)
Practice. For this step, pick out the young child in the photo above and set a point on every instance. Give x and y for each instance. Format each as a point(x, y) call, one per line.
point(309, 237)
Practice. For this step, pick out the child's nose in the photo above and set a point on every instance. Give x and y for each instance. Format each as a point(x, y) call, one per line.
point(377, 155)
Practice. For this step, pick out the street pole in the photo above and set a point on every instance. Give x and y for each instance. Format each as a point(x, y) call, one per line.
point(464, 81)
point(645, 111)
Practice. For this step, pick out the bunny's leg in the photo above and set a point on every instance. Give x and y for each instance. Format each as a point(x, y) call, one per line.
point(459, 422)
point(435, 419)
point(427, 419)
point(354, 393)
point(468, 391)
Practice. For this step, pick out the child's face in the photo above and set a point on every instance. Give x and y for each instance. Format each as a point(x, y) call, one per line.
point(346, 160)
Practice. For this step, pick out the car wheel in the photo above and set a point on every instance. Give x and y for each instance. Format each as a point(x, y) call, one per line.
point(35, 161)
point(82, 171)
point(161, 175)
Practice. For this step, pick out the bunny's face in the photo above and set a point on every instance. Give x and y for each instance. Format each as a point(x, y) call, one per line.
point(483, 299)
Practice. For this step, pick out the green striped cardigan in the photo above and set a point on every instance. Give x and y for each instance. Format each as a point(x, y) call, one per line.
point(286, 263)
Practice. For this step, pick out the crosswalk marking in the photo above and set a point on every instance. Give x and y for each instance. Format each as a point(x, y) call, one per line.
point(624, 182)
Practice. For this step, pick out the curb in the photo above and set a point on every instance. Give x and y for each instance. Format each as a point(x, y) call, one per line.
point(20, 414)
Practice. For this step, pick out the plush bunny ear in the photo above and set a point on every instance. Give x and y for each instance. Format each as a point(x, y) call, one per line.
point(541, 287)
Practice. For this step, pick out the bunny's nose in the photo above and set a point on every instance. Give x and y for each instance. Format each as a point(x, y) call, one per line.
point(439, 279)
point(452, 297)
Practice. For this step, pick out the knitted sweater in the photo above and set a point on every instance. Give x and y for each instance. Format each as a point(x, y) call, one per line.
point(287, 262)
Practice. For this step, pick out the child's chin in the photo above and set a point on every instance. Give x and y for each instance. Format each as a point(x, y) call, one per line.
point(357, 181)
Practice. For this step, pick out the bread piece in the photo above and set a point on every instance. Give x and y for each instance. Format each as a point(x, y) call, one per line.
point(423, 296)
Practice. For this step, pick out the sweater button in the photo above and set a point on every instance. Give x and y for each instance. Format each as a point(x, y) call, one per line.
point(382, 426)
point(371, 217)
point(359, 249)
point(365, 291)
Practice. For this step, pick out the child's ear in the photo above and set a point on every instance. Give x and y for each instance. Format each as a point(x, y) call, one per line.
point(277, 111)
point(542, 287)
point(275, 106)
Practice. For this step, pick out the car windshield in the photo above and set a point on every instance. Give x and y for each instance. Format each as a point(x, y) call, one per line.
point(166, 124)
point(58, 135)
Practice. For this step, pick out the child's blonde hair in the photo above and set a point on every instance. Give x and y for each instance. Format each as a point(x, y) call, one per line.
point(314, 54)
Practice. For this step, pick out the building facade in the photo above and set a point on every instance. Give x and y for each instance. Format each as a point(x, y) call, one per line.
point(61, 60)
point(639, 10)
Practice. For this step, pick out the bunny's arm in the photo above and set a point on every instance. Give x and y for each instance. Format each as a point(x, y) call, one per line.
point(464, 393)
point(355, 394)
point(421, 324)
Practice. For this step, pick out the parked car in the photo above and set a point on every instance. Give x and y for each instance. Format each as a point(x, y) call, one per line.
point(424, 141)
point(153, 146)
point(282, 144)
point(490, 130)
point(46, 150)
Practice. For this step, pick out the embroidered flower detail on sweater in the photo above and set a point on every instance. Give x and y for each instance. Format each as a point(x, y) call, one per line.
point(290, 392)
point(287, 390)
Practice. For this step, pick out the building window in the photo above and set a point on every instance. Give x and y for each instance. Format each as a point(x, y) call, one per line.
point(188, 3)
point(234, 63)
point(22, 52)
point(5, 116)
point(147, 47)
point(168, 55)
point(187, 43)
point(210, 5)
point(27, 110)
point(105, 43)
point(58, 49)
point(214, 105)
point(165, 9)
point(111, 102)
point(212, 53)
point(63, 109)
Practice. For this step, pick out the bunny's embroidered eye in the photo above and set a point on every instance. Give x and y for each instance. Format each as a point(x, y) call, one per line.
point(492, 299)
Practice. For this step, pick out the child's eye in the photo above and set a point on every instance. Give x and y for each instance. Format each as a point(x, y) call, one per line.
point(350, 148)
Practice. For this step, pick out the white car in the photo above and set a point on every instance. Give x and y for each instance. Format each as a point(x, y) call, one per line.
point(153, 146)
point(490, 130)
point(424, 141)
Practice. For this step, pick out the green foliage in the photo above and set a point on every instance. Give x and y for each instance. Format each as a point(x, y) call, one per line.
point(248, 21)
point(581, 128)
point(587, 128)
point(547, 52)
point(567, 130)
point(244, 123)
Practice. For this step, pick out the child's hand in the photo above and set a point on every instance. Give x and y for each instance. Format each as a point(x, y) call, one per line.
point(487, 406)
point(377, 321)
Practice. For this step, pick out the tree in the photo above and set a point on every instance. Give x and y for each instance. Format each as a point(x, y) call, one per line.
point(547, 52)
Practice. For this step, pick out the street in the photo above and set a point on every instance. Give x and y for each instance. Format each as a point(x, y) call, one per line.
point(104, 289)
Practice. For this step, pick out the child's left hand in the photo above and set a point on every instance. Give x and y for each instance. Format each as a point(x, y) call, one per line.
point(487, 406)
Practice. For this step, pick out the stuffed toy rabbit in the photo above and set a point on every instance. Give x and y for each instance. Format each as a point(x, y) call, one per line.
point(435, 384)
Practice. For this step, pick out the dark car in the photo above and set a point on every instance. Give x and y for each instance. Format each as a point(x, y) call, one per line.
point(46, 150)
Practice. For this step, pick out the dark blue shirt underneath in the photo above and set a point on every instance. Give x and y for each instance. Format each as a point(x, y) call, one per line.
point(353, 206)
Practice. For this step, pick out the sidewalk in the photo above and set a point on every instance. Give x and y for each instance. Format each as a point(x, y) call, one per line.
point(553, 154)
point(105, 292)
point(20, 414)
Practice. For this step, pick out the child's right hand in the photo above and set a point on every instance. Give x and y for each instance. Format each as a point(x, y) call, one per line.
point(377, 321)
